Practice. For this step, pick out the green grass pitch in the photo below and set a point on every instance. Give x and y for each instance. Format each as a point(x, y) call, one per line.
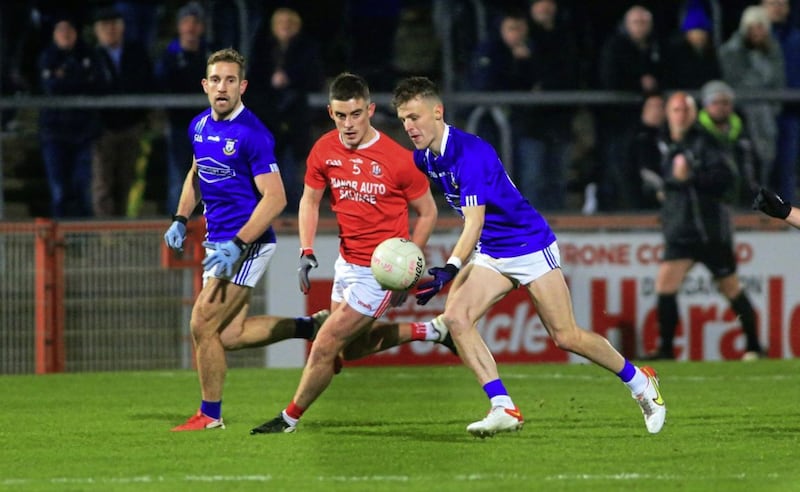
point(731, 426)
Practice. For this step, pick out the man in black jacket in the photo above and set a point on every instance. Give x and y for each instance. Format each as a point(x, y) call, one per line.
point(125, 68)
point(68, 67)
point(696, 222)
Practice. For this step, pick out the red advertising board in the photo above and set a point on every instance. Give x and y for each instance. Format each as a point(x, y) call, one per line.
point(612, 277)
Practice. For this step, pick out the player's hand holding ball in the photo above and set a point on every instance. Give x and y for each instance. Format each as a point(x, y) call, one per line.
point(771, 204)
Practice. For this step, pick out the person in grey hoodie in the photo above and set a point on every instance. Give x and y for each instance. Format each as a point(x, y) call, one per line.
point(750, 60)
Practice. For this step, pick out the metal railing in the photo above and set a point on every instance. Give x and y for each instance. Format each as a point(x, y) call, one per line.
point(98, 296)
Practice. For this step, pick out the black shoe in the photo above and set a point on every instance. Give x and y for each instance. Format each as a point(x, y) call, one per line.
point(441, 329)
point(448, 342)
point(273, 426)
point(658, 355)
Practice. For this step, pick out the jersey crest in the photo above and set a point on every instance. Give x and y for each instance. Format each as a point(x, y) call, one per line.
point(230, 146)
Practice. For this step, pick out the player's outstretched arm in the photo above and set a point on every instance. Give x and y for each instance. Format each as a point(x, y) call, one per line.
point(774, 205)
point(793, 218)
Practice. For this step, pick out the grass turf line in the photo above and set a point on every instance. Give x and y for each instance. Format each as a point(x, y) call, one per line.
point(730, 426)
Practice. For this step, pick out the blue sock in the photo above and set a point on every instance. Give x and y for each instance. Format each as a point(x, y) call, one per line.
point(495, 388)
point(627, 372)
point(211, 408)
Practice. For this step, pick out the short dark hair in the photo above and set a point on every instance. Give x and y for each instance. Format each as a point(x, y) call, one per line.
point(348, 86)
point(229, 55)
point(411, 87)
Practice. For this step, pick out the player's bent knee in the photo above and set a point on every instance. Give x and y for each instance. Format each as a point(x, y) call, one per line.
point(568, 340)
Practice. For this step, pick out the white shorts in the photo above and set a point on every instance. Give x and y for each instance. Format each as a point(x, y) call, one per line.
point(356, 285)
point(250, 267)
point(524, 269)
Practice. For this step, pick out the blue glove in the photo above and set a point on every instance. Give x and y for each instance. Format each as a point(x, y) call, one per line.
point(307, 262)
point(225, 255)
point(175, 235)
point(441, 277)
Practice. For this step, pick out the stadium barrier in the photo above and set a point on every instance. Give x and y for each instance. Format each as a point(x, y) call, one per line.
point(104, 296)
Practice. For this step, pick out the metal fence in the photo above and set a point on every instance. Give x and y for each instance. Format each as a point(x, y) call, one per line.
point(97, 296)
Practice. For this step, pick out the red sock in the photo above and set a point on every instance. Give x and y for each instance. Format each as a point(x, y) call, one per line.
point(418, 331)
point(294, 411)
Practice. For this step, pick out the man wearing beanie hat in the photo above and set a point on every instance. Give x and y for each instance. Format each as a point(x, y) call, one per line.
point(181, 66)
point(719, 119)
point(690, 54)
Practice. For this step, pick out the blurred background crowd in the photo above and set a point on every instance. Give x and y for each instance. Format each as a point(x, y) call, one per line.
point(130, 162)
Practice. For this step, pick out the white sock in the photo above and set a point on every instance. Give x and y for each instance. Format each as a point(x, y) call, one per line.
point(502, 401)
point(431, 333)
point(287, 419)
point(638, 382)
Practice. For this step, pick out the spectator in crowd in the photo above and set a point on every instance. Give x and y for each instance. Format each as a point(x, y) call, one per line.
point(690, 58)
point(719, 119)
point(643, 168)
point(630, 61)
point(696, 222)
point(752, 59)
point(543, 150)
point(179, 71)
point(141, 21)
point(68, 67)
point(125, 68)
point(503, 63)
point(513, 61)
point(418, 47)
point(286, 67)
point(784, 175)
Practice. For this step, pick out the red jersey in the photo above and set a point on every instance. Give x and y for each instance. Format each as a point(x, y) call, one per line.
point(370, 190)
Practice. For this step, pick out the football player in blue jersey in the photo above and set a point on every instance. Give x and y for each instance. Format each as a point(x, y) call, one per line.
point(235, 175)
point(505, 243)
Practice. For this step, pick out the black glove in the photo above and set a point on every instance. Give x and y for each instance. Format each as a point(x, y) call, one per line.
point(441, 277)
point(307, 262)
point(771, 204)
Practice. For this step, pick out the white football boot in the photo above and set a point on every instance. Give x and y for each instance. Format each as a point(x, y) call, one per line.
point(499, 419)
point(651, 402)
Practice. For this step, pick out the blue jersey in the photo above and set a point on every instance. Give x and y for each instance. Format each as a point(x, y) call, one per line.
point(229, 155)
point(470, 173)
